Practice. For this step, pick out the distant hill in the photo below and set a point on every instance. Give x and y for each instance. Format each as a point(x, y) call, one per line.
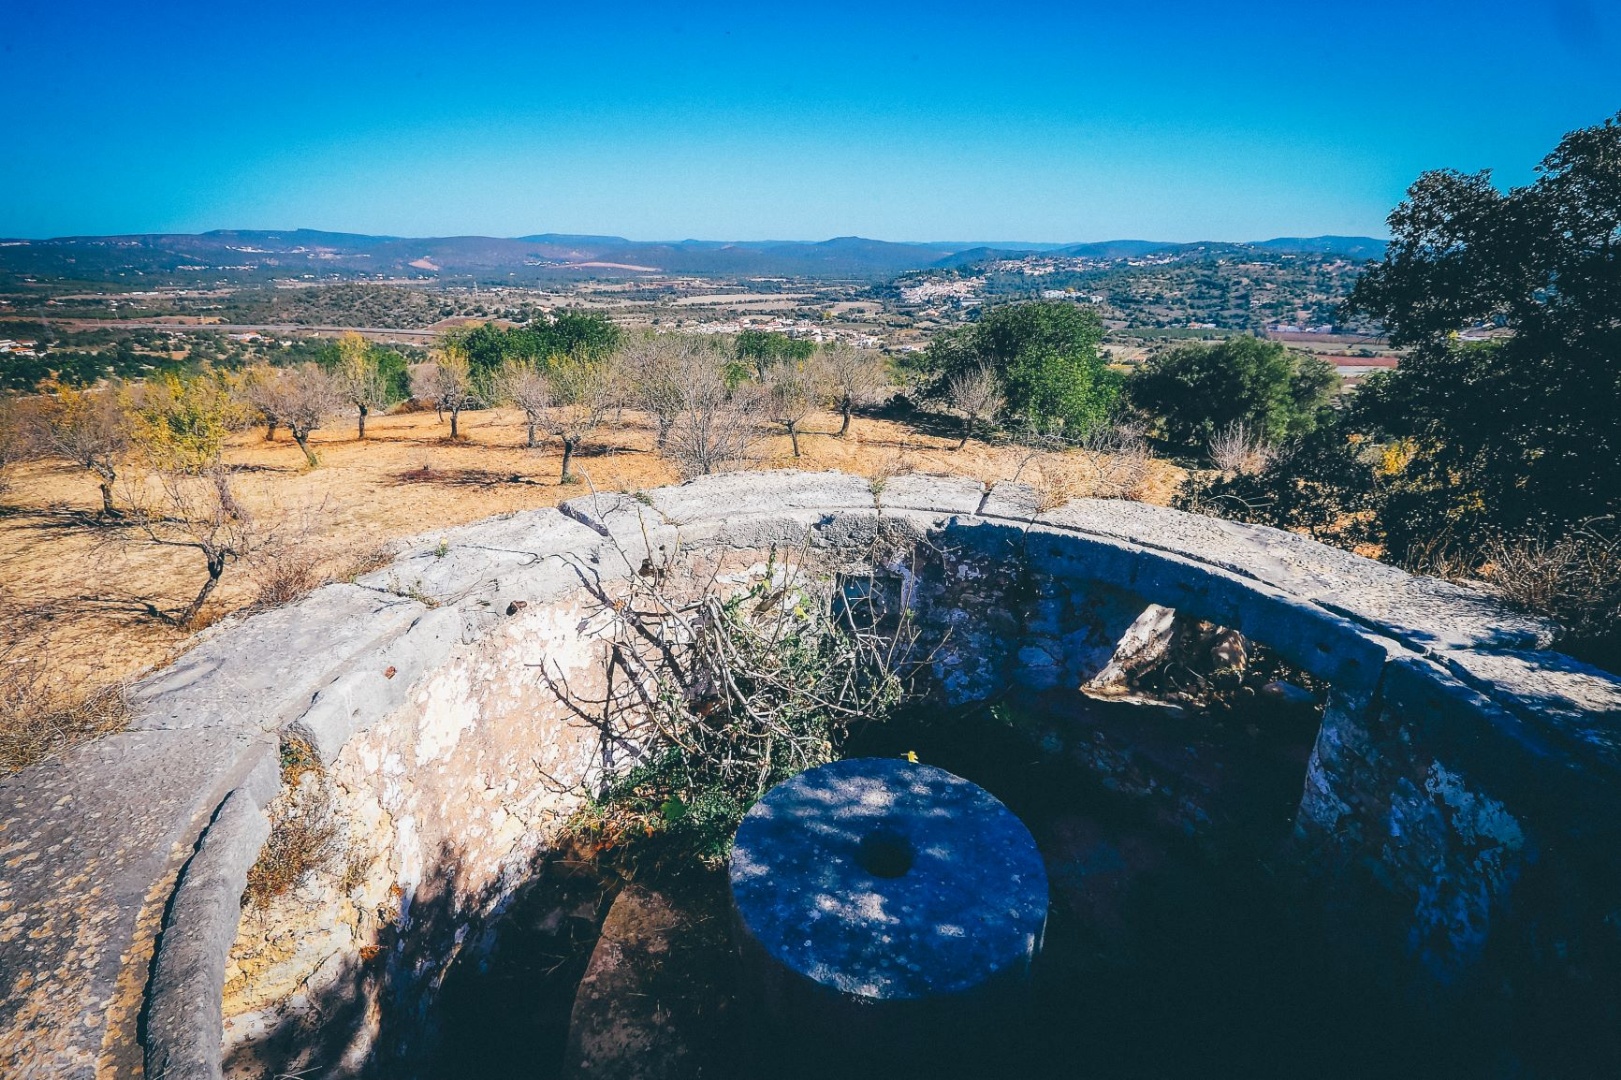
point(309, 254)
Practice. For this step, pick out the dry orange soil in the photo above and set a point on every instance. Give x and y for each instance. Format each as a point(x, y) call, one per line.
point(83, 592)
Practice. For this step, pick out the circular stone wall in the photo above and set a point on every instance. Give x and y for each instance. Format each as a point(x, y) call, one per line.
point(1471, 767)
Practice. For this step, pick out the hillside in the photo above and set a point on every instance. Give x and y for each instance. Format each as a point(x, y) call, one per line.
point(243, 256)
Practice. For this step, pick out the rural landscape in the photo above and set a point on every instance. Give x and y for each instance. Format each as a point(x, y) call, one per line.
point(448, 638)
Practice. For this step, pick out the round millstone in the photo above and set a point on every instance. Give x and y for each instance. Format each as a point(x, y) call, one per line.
point(888, 881)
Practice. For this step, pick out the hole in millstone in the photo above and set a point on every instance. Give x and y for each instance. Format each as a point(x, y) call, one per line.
point(885, 853)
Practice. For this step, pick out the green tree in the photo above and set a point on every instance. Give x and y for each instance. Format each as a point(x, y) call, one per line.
point(1045, 357)
point(763, 348)
point(1197, 390)
point(1520, 433)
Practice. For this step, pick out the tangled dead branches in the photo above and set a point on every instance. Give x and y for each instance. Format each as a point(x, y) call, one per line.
point(731, 684)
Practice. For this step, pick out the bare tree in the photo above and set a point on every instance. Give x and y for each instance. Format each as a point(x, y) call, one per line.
point(856, 377)
point(794, 390)
point(1238, 449)
point(447, 381)
point(89, 428)
point(717, 427)
point(261, 387)
point(583, 390)
point(15, 442)
point(656, 370)
point(200, 512)
point(976, 394)
point(523, 384)
point(310, 396)
point(360, 380)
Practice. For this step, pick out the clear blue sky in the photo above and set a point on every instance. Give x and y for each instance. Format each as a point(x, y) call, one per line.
point(986, 121)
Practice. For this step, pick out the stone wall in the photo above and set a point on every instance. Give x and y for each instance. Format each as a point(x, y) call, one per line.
point(1462, 771)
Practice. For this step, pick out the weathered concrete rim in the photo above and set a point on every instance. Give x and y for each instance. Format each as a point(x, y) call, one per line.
point(1371, 629)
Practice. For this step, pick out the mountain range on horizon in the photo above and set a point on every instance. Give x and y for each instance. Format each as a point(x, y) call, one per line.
point(264, 254)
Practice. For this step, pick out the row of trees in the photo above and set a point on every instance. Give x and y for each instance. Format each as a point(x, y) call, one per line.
point(707, 402)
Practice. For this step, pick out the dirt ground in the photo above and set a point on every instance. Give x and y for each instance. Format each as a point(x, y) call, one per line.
point(82, 592)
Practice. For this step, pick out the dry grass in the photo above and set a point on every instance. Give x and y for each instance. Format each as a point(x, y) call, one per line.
point(41, 711)
point(306, 834)
point(94, 591)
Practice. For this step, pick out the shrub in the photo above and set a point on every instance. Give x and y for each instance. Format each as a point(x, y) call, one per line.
point(1574, 579)
point(306, 834)
point(1197, 391)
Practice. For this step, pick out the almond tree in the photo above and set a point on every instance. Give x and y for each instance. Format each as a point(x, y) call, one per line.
point(261, 388)
point(583, 389)
point(447, 381)
point(89, 428)
point(717, 427)
point(15, 443)
point(794, 389)
point(657, 370)
point(360, 378)
point(856, 376)
point(976, 394)
point(198, 511)
point(523, 385)
point(310, 396)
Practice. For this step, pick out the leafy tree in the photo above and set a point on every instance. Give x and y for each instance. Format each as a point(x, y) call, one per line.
point(361, 381)
point(181, 424)
point(763, 348)
point(566, 332)
point(1045, 357)
point(1522, 432)
point(1197, 390)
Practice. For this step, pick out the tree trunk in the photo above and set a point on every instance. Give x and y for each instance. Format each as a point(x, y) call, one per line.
point(270, 430)
point(362, 422)
point(568, 457)
point(216, 567)
point(530, 441)
point(967, 430)
point(665, 423)
point(844, 428)
point(793, 437)
point(455, 414)
point(302, 437)
point(107, 508)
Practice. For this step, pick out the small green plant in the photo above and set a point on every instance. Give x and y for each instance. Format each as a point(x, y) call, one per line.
point(442, 550)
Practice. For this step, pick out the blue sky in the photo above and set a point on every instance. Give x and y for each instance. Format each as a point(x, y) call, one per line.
point(1015, 121)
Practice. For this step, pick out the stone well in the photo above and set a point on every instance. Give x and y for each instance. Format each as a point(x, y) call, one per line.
point(1463, 772)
